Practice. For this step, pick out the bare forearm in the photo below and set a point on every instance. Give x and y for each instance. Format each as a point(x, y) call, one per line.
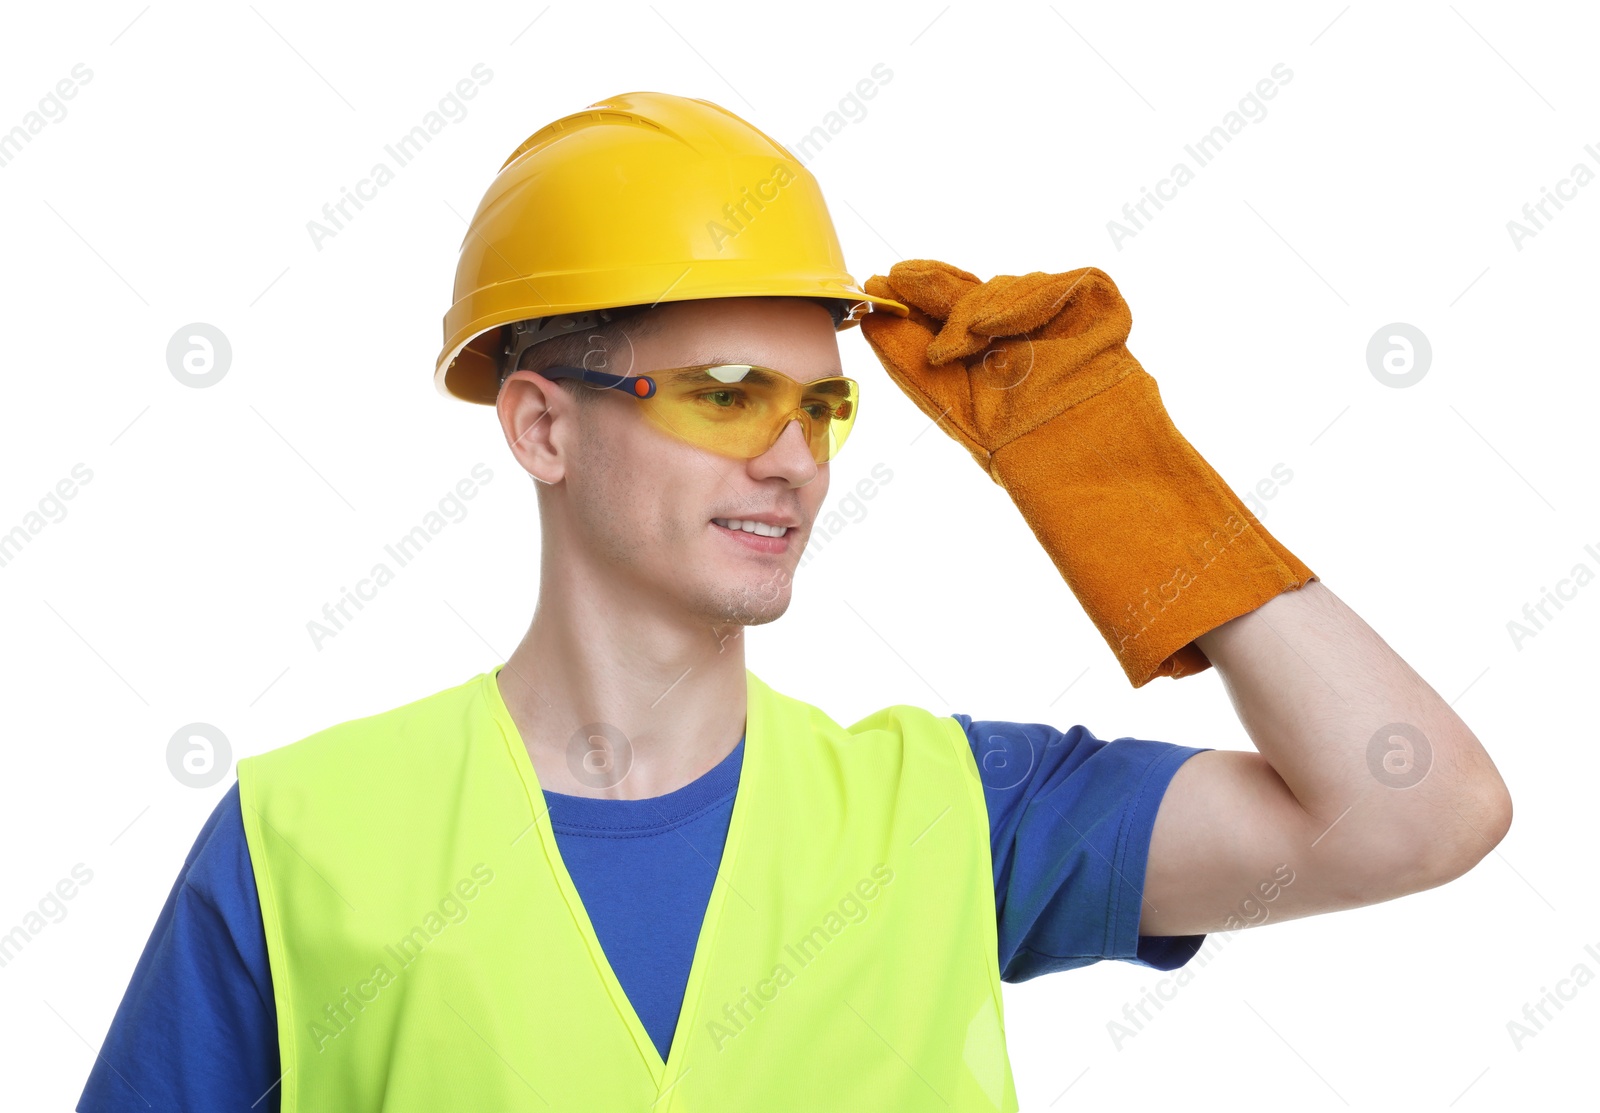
point(1364, 743)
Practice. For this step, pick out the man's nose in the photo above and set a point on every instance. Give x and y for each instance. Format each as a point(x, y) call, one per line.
point(789, 457)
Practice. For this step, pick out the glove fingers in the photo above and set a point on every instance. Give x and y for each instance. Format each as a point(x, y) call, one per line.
point(959, 339)
point(881, 287)
point(931, 286)
point(1038, 299)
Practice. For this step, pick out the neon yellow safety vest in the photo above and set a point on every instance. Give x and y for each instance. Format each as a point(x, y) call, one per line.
point(430, 952)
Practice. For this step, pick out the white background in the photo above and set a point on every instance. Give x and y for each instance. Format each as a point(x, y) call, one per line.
point(218, 521)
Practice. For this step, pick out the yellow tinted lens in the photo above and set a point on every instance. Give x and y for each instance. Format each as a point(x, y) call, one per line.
point(740, 410)
point(832, 406)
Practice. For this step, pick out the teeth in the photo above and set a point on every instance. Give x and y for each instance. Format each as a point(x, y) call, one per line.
point(760, 528)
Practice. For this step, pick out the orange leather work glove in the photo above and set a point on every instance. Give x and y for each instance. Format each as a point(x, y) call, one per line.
point(1032, 375)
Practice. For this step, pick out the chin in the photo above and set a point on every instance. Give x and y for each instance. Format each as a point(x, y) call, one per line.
point(758, 601)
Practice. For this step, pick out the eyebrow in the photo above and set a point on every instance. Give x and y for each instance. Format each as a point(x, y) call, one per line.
point(756, 376)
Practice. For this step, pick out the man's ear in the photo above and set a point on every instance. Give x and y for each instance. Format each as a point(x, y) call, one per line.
point(536, 416)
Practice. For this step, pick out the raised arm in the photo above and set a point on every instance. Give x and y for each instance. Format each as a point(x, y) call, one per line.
point(1366, 786)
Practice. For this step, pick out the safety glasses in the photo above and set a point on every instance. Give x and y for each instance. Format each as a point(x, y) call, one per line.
point(735, 409)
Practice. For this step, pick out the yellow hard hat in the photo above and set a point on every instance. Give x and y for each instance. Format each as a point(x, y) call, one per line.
point(640, 199)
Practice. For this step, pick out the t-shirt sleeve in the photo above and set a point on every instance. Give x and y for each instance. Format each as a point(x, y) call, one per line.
point(197, 1027)
point(1070, 819)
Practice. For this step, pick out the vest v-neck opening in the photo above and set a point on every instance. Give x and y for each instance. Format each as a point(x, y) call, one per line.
point(745, 764)
point(604, 817)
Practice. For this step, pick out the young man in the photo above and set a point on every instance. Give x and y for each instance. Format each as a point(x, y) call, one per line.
point(621, 872)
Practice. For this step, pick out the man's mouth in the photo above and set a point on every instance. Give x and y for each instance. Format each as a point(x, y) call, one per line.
point(761, 529)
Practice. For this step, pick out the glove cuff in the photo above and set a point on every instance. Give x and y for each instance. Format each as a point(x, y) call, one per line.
point(1155, 545)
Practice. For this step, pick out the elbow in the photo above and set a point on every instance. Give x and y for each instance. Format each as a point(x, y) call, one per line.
point(1497, 813)
point(1475, 815)
point(1488, 807)
point(1481, 819)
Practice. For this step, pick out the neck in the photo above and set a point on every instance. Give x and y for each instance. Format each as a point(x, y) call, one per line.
point(661, 693)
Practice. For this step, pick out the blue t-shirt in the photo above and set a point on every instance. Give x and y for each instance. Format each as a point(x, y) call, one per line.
point(1070, 818)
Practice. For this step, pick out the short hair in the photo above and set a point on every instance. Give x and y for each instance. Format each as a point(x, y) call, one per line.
point(596, 348)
